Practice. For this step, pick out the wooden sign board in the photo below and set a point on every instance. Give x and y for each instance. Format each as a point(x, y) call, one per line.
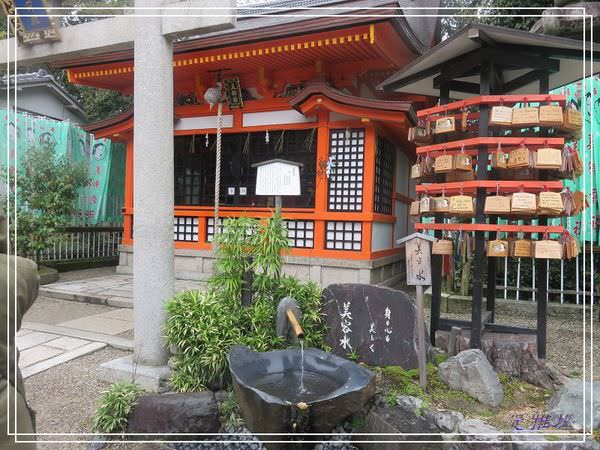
point(418, 259)
point(277, 177)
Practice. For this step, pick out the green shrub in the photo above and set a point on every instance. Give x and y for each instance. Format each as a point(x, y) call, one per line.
point(47, 188)
point(202, 326)
point(115, 406)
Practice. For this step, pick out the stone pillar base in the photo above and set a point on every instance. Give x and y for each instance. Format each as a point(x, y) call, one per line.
point(150, 378)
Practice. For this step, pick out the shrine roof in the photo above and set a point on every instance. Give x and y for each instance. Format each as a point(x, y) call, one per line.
point(418, 77)
point(277, 19)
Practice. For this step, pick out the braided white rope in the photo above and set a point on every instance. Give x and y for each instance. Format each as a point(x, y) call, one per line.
point(218, 168)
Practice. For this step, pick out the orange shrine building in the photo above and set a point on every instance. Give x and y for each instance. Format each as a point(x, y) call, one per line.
point(308, 89)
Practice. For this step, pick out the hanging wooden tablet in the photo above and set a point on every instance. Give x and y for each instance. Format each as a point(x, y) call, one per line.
point(411, 134)
point(497, 204)
point(551, 115)
point(523, 203)
point(580, 202)
point(416, 170)
point(518, 158)
point(547, 249)
point(550, 204)
point(463, 162)
point(445, 125)
point(572, 121)
point(501, 116)
point(444, 164)
point(442, 247)
point(525, 117)
point(522, 248)
point(414, 208)
point(425, 205)
point(462, 205)
point(548, 158)
point(497, 248)
point(464, 119)
point(441, 204)
point(498, 159)
point(427, 164)
point(568, 202)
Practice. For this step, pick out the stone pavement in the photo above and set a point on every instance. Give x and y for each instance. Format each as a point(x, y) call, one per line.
point(56, 330)
point(111, 289)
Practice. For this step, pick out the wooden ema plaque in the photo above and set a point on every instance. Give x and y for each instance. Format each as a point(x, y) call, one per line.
point(501, 116)
point(523, 203)
point(525, 117)
point(461, 205)
point(445, 125)
point(425, 205)
point(441, 204)
point(547, 249)
point(416, 171)
point(522, 248)
point(548, 158)
point(442, 247)
point(551, 115)
point(498, 160)
point(550, 203)
point(497, 204)
point(443, 164)
point(497, 248)
point(463, 162)
point(572, 120)
point(518, 158)
point(414, 208)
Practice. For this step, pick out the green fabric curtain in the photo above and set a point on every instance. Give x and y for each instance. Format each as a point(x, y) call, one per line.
point(101, 200)
point(585, 225)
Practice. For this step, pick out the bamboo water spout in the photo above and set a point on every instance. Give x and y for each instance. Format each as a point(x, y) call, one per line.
point(296, 328)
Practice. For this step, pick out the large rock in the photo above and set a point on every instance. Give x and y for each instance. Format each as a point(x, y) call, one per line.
point(513, 354)
point(175, 413)
point(569, 401)
point(377, 323)
point(392, 422)
point(471, 372)
point(481, 436)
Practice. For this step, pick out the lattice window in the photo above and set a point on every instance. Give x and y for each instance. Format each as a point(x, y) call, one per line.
point(301, 233)
point(185, 229)
point(346, 150)
point(210, 228)
point(384, 173)
point(344, 236)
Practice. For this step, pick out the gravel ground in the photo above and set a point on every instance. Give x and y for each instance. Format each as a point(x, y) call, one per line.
point(564, 339)
point(66, 396)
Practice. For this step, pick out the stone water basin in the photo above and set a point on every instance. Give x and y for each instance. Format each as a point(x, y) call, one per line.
point(267, 387)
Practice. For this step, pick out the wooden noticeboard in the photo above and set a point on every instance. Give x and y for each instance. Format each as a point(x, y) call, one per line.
point(278, 177)
point(418, 262)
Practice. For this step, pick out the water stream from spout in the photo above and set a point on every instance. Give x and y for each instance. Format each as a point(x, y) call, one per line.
point(302, 389)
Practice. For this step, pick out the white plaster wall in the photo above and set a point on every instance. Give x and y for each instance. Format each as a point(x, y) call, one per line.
point(41, 100)
point(381, 238)
point(199, 123)
point(275, 118)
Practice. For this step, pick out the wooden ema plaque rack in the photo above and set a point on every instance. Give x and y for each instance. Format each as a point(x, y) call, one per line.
point(487, 182)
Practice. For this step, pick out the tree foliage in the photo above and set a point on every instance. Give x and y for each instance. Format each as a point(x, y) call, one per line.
point(47, 192)
point(490, 16)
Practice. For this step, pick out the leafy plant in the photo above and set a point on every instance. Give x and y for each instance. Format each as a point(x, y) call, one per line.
point(202, 326)
point(47, 191)
point(115, 406)
point(229, 412)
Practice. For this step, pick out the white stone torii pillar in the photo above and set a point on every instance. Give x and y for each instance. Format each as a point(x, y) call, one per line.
point(151, 38)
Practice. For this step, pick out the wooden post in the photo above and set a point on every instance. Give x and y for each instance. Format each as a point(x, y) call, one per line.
point(421, 331)
point(418, 273)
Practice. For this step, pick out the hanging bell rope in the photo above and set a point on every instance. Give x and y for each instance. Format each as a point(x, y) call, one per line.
point(214, 95)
